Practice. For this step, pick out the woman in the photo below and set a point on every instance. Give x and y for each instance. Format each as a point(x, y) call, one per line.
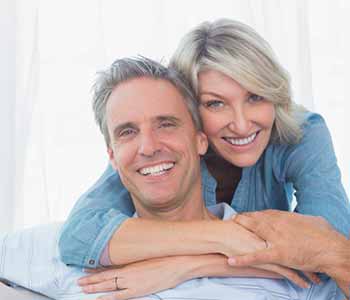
point(263, 147)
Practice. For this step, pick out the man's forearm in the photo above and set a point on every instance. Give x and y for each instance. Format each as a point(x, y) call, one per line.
point(337, 263)
point(215, 265)
point(345, 287)
point(140, 239)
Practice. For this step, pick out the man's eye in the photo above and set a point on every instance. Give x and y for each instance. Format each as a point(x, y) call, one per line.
point(166, 124)
point(255, 98)
point(214, 104)
point(126, 132)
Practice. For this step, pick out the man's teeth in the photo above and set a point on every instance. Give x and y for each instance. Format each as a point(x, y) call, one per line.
point(156, 170)
point(241, 142)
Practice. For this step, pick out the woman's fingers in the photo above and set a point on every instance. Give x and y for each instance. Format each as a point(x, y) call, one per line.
point(290, 274)
point(262, 229)
point(265, 256)
point(313, 277)
point(104, 286)
point(97, 277)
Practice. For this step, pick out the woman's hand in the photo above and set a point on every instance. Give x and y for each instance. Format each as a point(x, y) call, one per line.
point(246, 242)
point(135, 280)
point(293, 240)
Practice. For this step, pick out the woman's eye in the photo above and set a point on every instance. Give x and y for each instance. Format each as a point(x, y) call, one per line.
point(214, 104)
point(255, 98)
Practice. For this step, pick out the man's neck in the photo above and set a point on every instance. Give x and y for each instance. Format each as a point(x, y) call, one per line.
point(190, 209)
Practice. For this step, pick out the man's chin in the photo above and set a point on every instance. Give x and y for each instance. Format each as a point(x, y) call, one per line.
point(157, 201)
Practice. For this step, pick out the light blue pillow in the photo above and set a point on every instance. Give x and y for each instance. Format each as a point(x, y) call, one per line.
point(30, 258)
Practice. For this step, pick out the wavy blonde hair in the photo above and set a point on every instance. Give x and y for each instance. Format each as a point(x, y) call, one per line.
point(239, 52)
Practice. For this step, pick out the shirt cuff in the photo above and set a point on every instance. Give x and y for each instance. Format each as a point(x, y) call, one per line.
point(105, 259)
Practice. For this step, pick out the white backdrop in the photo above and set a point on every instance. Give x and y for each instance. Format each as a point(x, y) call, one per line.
point(51, 149)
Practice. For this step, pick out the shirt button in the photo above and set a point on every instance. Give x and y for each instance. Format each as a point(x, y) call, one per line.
point(91, 262)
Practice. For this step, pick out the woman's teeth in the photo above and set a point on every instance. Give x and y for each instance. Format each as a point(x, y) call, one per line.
point(241, 142)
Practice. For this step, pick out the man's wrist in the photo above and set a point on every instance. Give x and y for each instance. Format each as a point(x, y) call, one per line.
point(208, 265)
point(336, 259)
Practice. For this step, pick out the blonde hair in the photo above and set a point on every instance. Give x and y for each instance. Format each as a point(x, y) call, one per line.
point(239, 52)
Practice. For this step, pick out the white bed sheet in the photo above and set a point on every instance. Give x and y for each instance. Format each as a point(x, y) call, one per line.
point(10, 293)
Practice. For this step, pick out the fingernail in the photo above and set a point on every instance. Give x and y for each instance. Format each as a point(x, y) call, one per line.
point(231, 261)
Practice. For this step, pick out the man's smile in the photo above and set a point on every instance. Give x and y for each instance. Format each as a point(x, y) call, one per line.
point(156, 170)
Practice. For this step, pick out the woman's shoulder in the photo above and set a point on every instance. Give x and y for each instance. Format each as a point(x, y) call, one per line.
point(311, 120)
point(314, 129)
point(315, 137)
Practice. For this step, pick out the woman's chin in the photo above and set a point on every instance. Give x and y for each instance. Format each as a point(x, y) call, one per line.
point(242, 160)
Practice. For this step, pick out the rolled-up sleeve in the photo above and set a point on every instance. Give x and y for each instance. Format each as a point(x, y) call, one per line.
point(312, 168)
point(93, 220)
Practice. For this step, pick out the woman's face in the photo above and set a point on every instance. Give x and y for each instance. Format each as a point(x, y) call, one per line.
point(237, 122)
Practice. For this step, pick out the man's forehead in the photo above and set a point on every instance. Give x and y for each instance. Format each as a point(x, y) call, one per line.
point(145, 98)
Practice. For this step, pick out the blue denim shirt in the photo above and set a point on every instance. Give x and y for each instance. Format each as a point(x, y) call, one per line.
point(308, 168)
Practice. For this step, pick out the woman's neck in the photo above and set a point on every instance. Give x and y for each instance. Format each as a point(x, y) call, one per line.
point(226, 175)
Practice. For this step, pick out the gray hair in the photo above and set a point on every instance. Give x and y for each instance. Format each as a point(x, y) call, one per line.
point(239, 52)
point(126, 69)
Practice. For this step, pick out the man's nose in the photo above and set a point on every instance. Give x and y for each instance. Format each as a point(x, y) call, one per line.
point(149, 144)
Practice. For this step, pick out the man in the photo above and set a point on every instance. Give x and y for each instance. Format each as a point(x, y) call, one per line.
point(154, 141)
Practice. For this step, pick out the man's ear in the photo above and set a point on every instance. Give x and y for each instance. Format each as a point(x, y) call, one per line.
point(202, 143)
point(111, 158)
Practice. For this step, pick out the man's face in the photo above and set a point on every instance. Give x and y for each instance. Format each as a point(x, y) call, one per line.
point(154, 144)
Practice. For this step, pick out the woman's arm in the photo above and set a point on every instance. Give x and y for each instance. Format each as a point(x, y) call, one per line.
point(185, 240)
point(162, 273)
point(311, 166)
point(139, 239)
point(100, 216)
point(93, 220)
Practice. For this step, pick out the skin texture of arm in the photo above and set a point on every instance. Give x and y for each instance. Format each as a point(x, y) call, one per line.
point(305, 243)
point(129, 244)
point(162, 273)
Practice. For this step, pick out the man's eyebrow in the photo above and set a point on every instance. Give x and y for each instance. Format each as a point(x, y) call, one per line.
point(170, 118)
point(122, 126)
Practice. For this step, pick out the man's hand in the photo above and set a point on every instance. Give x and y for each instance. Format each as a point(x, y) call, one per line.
point(293, 240)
